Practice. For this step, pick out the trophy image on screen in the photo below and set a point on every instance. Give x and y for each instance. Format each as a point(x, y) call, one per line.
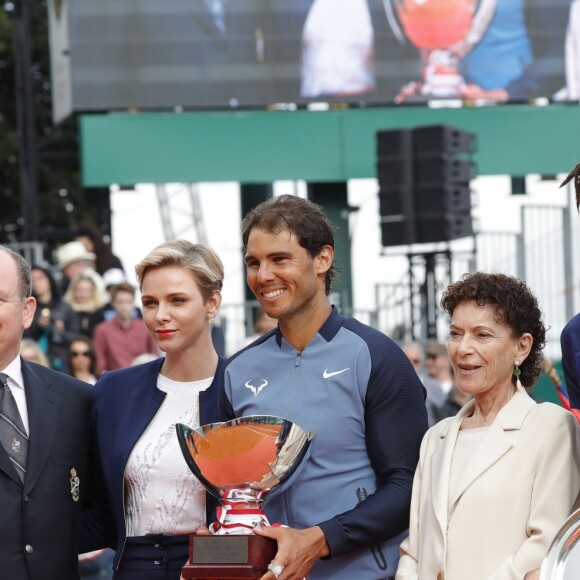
point(562, 562)
point(239, 462)
point(443, 31)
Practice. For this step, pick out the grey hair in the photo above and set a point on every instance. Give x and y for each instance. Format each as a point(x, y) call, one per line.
point(24, 271)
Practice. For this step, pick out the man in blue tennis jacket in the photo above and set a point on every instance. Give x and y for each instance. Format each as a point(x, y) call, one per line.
point(348, 509)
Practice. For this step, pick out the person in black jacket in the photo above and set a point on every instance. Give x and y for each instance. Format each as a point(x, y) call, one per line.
point(54, 322)
point(43, 464)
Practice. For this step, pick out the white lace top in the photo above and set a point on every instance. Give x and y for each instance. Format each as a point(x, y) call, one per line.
point(161, 493)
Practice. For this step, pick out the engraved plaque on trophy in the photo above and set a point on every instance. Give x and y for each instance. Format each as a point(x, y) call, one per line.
point(443, 31)
point(239, 462)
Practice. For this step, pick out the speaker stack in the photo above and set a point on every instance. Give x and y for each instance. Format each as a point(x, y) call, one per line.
point(424, 177)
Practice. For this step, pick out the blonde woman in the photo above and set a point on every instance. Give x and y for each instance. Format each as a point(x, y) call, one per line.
point(155, 501)
point(86, 295)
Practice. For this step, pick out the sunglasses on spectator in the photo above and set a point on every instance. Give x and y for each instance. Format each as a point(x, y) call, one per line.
point(80, 353)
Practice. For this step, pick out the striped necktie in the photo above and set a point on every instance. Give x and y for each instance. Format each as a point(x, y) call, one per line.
point(12, 433)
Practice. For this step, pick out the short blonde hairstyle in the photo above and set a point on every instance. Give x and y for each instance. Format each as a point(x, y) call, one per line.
point(199, 259)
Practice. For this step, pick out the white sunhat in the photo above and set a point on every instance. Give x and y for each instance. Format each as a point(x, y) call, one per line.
point(72, 252)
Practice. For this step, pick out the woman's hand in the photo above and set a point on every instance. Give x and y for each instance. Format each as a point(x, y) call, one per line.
point(203, 531)
point(533, 575)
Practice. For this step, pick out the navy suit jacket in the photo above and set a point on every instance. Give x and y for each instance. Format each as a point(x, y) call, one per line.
point(40, 519)
point(123, 403)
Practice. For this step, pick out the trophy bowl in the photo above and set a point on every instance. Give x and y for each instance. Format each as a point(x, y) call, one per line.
point(443, 31)
point(562, 561)
point(240, 462)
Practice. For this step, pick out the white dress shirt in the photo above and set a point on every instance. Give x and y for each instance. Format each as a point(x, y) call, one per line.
point(16, 384)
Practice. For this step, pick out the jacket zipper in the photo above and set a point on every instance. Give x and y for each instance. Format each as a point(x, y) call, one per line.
point(286, 494)
point(297, 362)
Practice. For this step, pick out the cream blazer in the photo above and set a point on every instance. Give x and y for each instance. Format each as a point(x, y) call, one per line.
point(515, 493)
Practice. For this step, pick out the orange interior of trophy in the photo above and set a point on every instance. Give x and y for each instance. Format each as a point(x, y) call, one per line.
point(436, 24)
point(237, 454)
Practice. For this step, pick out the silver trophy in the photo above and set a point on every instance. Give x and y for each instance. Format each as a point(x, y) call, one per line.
point(562, 562)
point(240, 462)
point(443, 31)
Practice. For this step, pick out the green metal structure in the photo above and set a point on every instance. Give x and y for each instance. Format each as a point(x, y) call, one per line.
point(326, 146)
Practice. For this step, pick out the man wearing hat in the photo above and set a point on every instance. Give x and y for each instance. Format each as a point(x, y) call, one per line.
point(73, 259)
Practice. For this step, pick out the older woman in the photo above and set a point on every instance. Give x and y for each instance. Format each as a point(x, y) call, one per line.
point(155, 501)
point(495, 482)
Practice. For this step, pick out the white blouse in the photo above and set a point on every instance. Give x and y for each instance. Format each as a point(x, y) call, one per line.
point(161, 493)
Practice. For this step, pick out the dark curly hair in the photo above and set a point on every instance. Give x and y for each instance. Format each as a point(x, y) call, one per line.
point(301, 217)
point(515, 306)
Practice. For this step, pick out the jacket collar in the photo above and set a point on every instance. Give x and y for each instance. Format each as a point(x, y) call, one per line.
point(43, 411)
point(328, 330)
point(510, 417)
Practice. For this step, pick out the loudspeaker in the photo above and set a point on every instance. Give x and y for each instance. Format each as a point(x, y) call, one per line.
point(395, 172)
point(443, 138)
point(395, 143)
point(440, 168)
point(444, 227)
point(424, 186)
point(396, 207)
point(395, 232)
point(442, 198)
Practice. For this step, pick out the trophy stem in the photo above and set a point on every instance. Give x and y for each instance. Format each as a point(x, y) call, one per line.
point(441, 77)
point(238, 520)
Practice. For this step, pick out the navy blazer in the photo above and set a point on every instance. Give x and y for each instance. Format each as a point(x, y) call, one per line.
point(40, 519)
point(123, 403)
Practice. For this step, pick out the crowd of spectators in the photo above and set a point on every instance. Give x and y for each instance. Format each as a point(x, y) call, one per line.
point(443, 397)
point(86, 321)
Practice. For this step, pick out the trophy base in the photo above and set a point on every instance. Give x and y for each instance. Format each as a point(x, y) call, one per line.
point(233, 557)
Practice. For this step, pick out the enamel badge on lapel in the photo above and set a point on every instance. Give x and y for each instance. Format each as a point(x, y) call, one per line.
point(15, 445)
point(74, 484)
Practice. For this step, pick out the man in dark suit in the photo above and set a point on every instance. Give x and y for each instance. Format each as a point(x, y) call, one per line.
point(43, 443)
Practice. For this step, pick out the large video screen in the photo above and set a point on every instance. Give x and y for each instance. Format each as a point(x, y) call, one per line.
point(216, 54)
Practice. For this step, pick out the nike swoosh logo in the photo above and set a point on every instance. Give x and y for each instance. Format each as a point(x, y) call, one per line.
point(327, 375)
